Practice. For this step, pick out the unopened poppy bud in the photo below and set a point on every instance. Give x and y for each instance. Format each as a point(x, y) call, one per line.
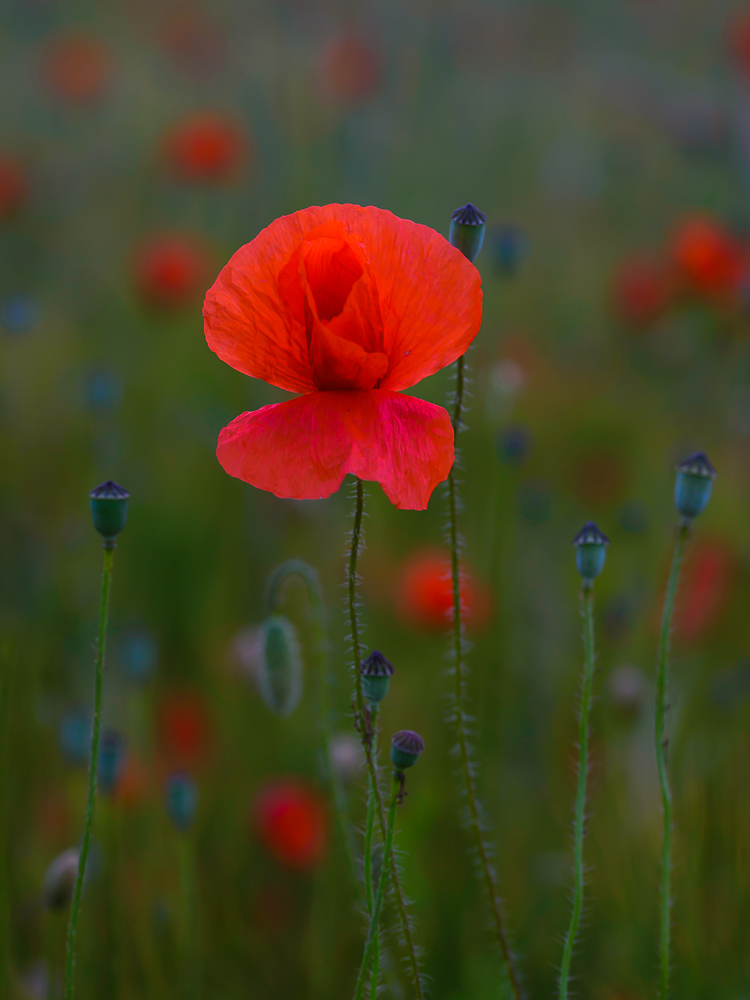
point(591, 551)
point(181, 800)
point(406, 746)
point(112, 757)
point(695, 480)
point(109, 509)
point(376, 676)
point(280, 665)
point(59, 880)
point(467, 231)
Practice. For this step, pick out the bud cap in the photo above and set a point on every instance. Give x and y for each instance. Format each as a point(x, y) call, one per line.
point(109, 509)
point(406, 746)
point(590, 534)
point(697, 465)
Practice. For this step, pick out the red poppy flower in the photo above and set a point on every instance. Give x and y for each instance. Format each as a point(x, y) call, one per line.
point(348, 306)
point(13, 186)
point(709, 258)
point(206, 147)
point(705, 588)
point(739, 39)
point(184, 729)
point(291, 823)
point(349, 69)
point(76, 68)
point(424, 593)
point(171, 271)
point(641, 291)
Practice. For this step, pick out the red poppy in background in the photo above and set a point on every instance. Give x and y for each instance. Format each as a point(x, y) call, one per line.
point(171, 271)
point(76, 68)
point(206, 147)
point(705, 588)
point(709, 258)
point(290, 821)
point(184, 729)
point(14, 187)
point(739, 39)
point(347, 306)
point(641, 291)
point(349, 69)
point(424, 593)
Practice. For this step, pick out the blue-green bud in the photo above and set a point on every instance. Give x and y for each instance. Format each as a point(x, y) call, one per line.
point(467, 231)
point(695, 480)
point(181, 800)
point(376, 676)
point(280, 665)
point(406, 746)
point(591, 551)
point(509, 246)
point(109, 509)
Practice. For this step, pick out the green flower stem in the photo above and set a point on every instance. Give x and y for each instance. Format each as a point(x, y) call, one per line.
point(373, 932)
point(467, 775)
point(587, 602)
point(661, 741)
point(320, 647)
point(369, 830)
point(101, 639)
point(188, 905)
point(359, 707)
point(6, 668)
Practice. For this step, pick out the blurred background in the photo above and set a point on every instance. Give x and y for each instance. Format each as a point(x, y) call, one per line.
point(140, 145)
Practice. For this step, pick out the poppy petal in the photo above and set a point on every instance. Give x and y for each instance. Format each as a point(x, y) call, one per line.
point(304, 447)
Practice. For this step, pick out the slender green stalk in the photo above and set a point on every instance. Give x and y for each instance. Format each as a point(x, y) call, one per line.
point(6, 666)
point(369, 830)
point(190, 956)
point(321, 654)
point(373, 932)
point(467, 774)
point(662, 741)
point(101, 639)
point(579, 824)
point(359, 707)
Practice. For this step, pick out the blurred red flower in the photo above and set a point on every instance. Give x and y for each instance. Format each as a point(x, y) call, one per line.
point(709, 259)
point(290, 821)
point(705, 588)
point(424, 592)
point(349, 69)
point(76, 68)
point(347, 306)
point(641, 291)
point(739, 39)
point(206, 147)
point(171, 271)
point(184, 729)
point(14, 187)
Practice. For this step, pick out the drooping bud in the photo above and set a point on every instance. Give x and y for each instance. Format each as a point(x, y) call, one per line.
point(59, 880)
point(591, 551)
point(280, 665)
point(376, 676)
point(695, 481)
point(109, 509)
point(181, 800)
point(406, 746)
point(112, 757)
point(467, 231)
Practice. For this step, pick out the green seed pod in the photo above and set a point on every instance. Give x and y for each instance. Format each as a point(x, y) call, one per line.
point(280, 665)
point(591, 551)
point(109, 509)
point(406, 746)
point(695, 480)
point(376, 676)
point(467, 231)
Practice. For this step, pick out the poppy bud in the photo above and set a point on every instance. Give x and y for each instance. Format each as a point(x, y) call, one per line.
point(591, 551)
point(376, 676)
point(59, 880)
point(509, 246)
point(695, 480)
point(181, 800)
point(112, 755)
point(280, 665)
point(406, 746)
point(467, 231)
point(109, 509)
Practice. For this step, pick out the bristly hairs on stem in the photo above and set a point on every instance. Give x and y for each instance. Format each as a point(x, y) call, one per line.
point(352, 607)
point(467, 767)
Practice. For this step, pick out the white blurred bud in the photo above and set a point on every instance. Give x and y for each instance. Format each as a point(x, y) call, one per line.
point(346, 756)
point(507, 380)
point(59, 880)
point(246, 650)
point(627, 687)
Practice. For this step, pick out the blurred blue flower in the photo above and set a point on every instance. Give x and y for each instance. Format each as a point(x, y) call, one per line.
point(19, 313)
point(181, 800)
point(513, 444)
point(112, 757)
point(74, 736)
point(509, 246)
point(102, 390)
point(138, 655)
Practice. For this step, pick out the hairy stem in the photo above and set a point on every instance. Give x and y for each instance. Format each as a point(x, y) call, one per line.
point(369, 830)
point(579, 824)
point(373, 932)
point(359, 708)
point(101, 639)
point(661, 741)
point(460, 714)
